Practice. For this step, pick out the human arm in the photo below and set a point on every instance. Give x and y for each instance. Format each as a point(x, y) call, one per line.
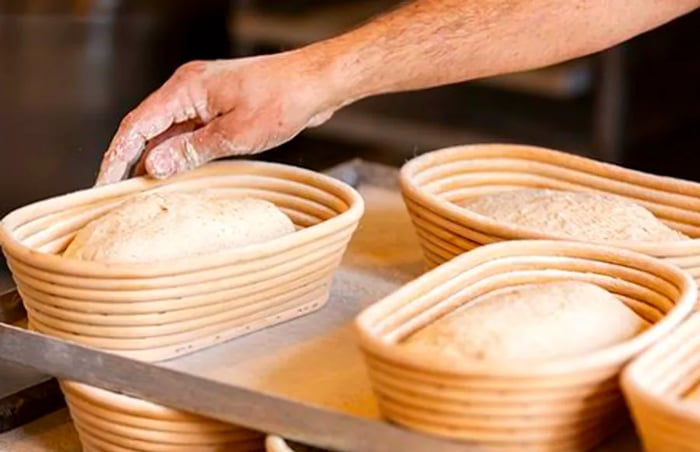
point(221, 108)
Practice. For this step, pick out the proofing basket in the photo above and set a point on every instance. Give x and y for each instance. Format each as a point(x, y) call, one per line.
point(655, 386)
point(161, 310)
point(107, 421)
point(566, 404)
point(433, 183)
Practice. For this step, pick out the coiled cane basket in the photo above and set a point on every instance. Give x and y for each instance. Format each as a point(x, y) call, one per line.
point(162, 310)
point(112, 422)
point(434, 183)
point(661, 389)
point(565, 404)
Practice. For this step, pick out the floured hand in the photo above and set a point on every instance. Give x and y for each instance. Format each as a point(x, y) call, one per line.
point(232, 107)
point(212, 109)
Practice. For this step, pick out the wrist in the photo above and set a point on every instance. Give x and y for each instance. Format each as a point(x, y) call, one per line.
point(337, 73)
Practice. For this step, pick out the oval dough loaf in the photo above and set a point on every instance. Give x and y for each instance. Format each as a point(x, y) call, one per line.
point(531, 322)
point(578, 215)
point(162, 226)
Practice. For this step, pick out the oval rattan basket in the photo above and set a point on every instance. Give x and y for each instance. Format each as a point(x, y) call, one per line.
point(565, 404)
point(156, 311)
point(434, 183)
point(113, 422)
point(659, 387)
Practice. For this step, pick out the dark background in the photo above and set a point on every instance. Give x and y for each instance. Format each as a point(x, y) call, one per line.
point(69, 70)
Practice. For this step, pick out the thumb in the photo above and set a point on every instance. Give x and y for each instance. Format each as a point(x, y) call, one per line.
point(190, 150)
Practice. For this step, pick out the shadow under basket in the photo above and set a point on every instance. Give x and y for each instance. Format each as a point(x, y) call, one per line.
point(565, 404)
point(435, 183)
point(110, 421)
point(661, 388)
point(157, 311)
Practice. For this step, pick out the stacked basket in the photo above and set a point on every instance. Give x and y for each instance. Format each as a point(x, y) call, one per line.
point(435, 183)
point(108, 421)
point(566, 404)
point(162, 310)
point(655, 386)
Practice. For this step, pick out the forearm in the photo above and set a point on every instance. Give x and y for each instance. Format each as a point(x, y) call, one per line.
point(212, 109)
point(427, 43)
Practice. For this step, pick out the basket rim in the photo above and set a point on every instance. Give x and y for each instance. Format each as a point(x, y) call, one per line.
point(632, 380)
point(548, 156)
point(58, 264)
point(614, 355)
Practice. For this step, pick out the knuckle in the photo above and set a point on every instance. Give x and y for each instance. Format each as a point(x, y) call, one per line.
point(222, 142)
point(187, 154)
point(218, 141)
point(191, 68)
point(128, 120)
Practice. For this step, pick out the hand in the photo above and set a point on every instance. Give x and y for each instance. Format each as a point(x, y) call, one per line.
point(212, 109)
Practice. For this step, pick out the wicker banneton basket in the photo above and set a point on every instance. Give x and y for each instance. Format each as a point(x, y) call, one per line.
point(161, 310)
point(661, 389)
point(158, 311)
point(112, 422)
point(434, 183)
point(565, 404)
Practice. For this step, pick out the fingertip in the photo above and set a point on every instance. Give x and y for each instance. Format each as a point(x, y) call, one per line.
point(173, 156)
point(111, 172)
point(100, 180)
point(130, 141)
point(160, 163)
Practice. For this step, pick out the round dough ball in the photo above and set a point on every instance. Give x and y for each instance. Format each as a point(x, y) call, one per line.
point(531, 322)
point(578, 215)
point(163, 226)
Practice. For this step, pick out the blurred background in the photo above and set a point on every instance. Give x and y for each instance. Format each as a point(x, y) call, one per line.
point(69, 70)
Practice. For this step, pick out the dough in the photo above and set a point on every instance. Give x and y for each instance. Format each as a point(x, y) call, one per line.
point(578, 215)
point(531, 322)
point(157, 227)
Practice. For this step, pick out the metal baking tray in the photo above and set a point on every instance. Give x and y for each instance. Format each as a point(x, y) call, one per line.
point(303, 380)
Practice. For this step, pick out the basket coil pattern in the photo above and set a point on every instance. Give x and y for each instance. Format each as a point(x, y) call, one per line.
point(566, 404)
point(434, 183)
point(166, 309)
point(162, 310)
point(106, 421)
point(655, 385)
